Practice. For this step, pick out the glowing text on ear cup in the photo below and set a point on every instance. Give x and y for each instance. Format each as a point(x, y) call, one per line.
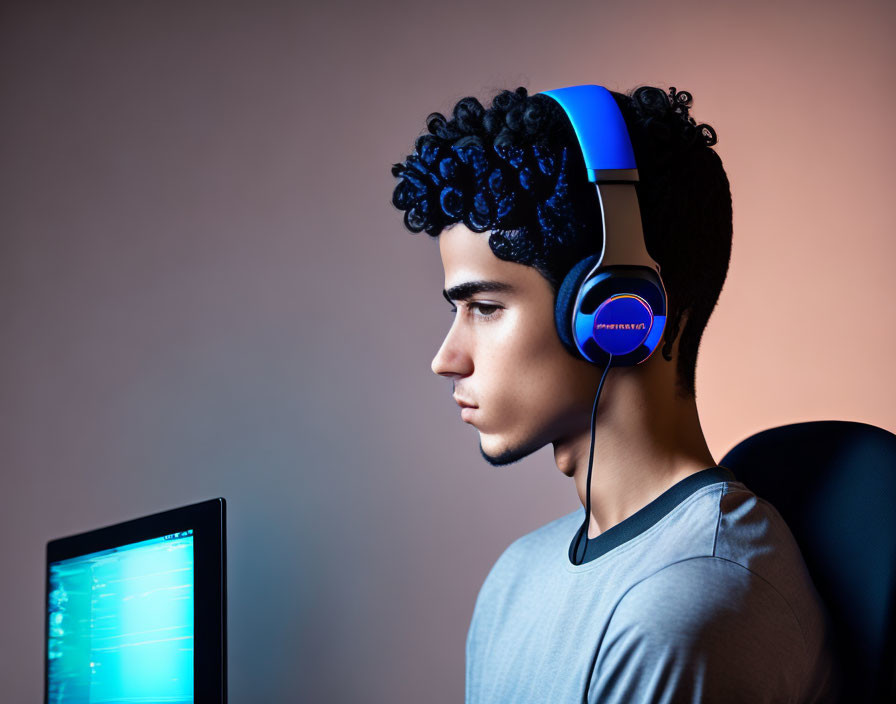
point(622, 323)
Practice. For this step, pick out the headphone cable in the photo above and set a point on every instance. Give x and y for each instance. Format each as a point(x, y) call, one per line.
point(584, 528)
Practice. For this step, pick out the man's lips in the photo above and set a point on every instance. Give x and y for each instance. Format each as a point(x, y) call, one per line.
point(463, 404)
point(466, 409)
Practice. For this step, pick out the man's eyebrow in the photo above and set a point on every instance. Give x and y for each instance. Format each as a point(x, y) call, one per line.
point(468, 289)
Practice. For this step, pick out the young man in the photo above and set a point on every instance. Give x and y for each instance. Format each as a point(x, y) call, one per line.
point(690, 588)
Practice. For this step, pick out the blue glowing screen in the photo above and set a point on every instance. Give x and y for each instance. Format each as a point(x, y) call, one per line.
point(120, 626)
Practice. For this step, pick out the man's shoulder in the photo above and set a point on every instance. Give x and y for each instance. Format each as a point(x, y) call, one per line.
point(685, 598)
point(535, 547)
point(685, 620)
point(545, 539)
point(748, 526)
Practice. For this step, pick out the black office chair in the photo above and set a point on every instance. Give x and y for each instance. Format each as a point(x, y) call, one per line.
point(834, 483)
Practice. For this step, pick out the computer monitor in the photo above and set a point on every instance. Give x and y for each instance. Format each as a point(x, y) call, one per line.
point(136, 612)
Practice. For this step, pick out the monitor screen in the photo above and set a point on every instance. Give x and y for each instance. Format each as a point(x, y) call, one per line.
point(135, 612)
point(121, 623)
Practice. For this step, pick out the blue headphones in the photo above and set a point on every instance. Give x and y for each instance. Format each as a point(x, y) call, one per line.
point(612, 302)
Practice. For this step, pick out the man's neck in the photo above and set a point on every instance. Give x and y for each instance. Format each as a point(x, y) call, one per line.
point(646, 440)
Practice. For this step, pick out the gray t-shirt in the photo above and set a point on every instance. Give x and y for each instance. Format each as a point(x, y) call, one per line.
point(701, 596)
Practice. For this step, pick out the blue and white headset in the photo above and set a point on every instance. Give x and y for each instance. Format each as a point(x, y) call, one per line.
point(612, 302)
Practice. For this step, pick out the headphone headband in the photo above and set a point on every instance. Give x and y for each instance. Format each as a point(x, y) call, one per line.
point(600, 128)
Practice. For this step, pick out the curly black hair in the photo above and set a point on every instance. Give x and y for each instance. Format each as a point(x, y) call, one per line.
point(516, 169)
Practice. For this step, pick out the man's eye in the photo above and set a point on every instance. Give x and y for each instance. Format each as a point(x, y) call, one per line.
point(485, 310)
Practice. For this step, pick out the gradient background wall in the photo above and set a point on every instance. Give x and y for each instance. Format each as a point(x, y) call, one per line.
point(205, 291)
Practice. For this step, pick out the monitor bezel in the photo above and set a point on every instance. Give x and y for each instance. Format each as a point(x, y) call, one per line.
point(207, 519)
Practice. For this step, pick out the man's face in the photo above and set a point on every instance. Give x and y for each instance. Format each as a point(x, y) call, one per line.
point(504, 356)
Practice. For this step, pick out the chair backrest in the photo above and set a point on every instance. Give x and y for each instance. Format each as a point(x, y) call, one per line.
point(834, 483)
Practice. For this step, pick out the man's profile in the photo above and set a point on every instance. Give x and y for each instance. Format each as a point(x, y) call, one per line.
point(690, 587)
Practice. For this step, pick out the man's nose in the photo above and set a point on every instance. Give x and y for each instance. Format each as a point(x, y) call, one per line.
point(452, 359)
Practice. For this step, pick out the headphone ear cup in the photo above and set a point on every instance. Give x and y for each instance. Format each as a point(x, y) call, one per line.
point(566, 300)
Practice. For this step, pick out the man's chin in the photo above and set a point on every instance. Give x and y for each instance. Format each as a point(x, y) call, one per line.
point(508, 455)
